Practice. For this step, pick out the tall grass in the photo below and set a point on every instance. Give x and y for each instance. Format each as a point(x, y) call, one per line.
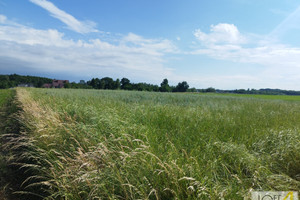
point(88, 144)
point(259, 96)
point(4, 94)
point(7, 125)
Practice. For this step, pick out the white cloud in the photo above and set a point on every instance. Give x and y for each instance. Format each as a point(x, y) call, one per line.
point(71, 22)
point(30, 36)
point(259, 51)
point(149, 45)
point(48, 51)
point(279, 63)
point(221, 34)
point(2, 19)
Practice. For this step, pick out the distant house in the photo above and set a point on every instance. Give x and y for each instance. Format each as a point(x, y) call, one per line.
point(25, 85)
point(56, 84)
point(47, 85)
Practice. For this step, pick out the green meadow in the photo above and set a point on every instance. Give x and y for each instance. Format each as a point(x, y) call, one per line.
point(4, 95)
point(101, 144)
point(5, 98)
point(258, 96)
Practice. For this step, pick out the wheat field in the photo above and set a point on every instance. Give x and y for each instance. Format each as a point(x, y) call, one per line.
point(101, 144)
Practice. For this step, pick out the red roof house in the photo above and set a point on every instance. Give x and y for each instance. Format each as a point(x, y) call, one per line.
point(56, 84)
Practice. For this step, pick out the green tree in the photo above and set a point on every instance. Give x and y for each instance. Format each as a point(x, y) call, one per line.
point(182, 87)
point(192, 90)
point(67, 85)
point(92, 83)
point(164, 86)
point(107, 83)
point(117, 84)
point(125, 84)
point(4, 82)
point(210, 89)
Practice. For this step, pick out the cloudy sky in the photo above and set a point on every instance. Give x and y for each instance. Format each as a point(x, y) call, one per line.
point(226, 44)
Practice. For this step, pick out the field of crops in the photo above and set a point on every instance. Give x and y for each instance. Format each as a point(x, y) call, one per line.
point(260, 96)
point(96, 144)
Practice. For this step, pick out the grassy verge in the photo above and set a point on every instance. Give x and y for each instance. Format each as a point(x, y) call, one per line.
point(87, 144)
point(6, 98)
point(16, 171)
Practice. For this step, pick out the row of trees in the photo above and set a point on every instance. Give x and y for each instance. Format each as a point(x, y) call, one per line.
point(181, 87)
point(125, 84)
point(13, 80)
point(8, 81)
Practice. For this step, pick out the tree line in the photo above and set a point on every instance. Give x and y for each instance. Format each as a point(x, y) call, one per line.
point(125, 84)
point(13, 80)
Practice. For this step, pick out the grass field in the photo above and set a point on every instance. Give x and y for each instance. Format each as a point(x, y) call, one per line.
point(5, 97)
point(259, 96)
point(93, 144)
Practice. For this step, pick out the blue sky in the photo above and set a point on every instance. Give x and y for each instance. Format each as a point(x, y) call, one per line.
point(226, 44)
